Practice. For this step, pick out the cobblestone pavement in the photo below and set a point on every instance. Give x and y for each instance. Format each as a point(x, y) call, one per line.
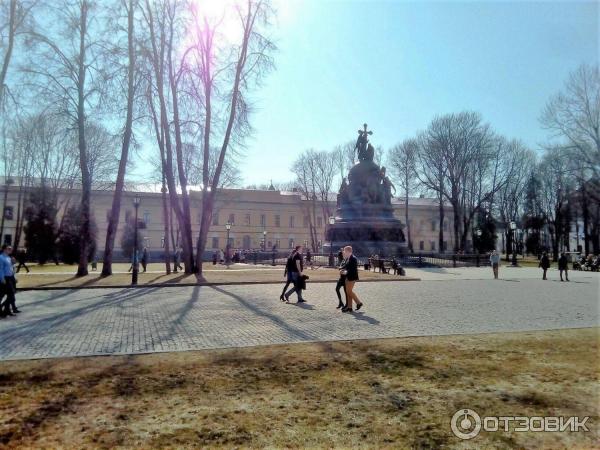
point(117, 321)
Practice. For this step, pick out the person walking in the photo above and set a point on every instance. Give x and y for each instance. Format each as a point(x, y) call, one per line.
point(8, 283)
point(21, 259)
point(309, 258)
point(287, 274)
point(296, 268)
point(495, 262)
point(214, 258)
point(144, 258)
point(177, 259)
point(563, 265)
point(349, 268)
point(341, 283)
point(544, 264)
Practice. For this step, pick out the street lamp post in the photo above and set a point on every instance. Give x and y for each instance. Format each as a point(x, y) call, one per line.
point(228, 247)
point(513, 229)
point(135, 271)
point(331, 223)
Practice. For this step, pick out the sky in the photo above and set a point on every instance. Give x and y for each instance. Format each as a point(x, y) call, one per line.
point(396, 65)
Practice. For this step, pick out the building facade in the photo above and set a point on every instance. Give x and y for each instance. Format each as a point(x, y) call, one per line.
point(258, 218)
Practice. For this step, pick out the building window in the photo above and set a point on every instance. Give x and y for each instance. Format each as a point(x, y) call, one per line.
point(319, 244)
point(305, 243)
point(433, 225)
point(147, 217)
point(291, 221)
point(277, 221)
point(147, 242)
point(215, 242)
point(162, 242)
point(278, 243)
point(305, 222)
point(432, 246)
point(445, 246)
point(421, 245)
point(247, 221)
point(246, 242)
point(445, 225)
point(215, 220)
point(8, 212)
point(263, 220)
point(319, 222)
point(8, 239)
point(232, 219)
point(291, 243)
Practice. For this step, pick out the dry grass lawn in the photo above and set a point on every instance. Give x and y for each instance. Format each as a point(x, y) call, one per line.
point(49, 276)
point(395, 393)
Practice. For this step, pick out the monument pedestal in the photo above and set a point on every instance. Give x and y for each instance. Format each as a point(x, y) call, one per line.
point(367, 237)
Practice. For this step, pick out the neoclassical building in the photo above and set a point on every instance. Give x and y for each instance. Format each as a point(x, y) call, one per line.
point(277, 217)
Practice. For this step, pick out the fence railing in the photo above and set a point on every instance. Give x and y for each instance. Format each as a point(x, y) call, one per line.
point(406, 260)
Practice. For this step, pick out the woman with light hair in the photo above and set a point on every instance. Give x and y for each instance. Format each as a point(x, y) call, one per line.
point(350, 269)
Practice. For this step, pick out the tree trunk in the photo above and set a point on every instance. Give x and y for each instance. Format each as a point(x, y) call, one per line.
point(456, 210)
point(166, 220)
point(113, 221)
point(408, 237)
point(86, 182)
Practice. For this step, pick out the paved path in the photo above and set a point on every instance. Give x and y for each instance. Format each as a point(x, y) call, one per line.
point(114, 321)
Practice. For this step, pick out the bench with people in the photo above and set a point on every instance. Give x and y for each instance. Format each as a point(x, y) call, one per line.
point(384, 265)
point(587, 263)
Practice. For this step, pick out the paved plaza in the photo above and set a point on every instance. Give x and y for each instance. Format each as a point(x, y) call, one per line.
point(117, 321)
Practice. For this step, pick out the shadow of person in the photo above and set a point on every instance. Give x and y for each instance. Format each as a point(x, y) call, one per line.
point(364, 317)
point(302, 305)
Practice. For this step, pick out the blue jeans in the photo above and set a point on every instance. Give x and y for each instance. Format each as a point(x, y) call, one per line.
point(296, 288)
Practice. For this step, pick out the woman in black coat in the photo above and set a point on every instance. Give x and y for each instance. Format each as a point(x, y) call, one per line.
point(563, 265)
point(350, 269)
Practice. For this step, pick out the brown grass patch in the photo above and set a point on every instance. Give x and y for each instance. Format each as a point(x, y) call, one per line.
point(380, 393)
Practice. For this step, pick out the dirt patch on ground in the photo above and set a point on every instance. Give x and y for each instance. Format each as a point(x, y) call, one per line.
point(381, 393)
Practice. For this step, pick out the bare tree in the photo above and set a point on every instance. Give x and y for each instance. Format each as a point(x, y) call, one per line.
point(65, 68)
point(344, 157)
point(130, 7)
point(13, 17)
point(222, 77)
point(556, 188)
point(403, 161)
point(573, 116)
point(165, 24)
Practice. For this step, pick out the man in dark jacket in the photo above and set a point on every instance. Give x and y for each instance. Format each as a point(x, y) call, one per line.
point(545, 264)
point(563, 264)
point(294, 269)
point(350, 269)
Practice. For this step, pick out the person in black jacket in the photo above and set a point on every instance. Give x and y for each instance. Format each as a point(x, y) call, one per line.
point(563, 264)
point(544, 264)
point(295, 268)
point(341, 284)
point(350, 269)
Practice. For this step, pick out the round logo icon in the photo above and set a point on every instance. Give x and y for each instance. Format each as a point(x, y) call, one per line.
point(465, 424)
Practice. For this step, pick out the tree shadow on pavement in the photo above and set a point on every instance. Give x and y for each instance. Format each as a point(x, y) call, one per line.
point(295, 332)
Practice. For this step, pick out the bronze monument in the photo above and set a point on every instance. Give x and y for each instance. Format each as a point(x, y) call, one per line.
point(365, 216)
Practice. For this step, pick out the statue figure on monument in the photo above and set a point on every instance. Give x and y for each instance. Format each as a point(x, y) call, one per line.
point(342, 196)
point(361, 143)
point(387, 185)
